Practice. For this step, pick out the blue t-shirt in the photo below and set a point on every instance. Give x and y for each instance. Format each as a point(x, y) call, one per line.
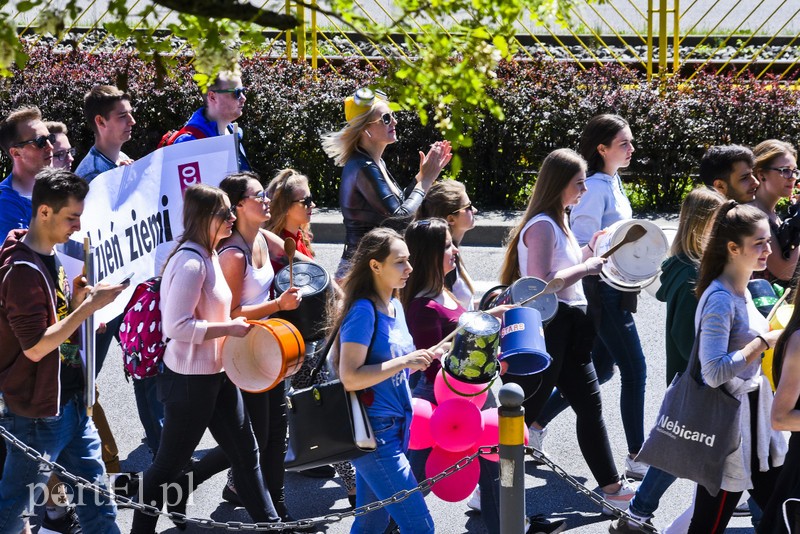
point(15, 210)
point(96, 163)
point(392, 397)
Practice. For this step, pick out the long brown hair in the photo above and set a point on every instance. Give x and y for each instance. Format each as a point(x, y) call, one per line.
point(697, 212)
point(443, 199)
point(359, 282)
point(426, 241)
point(766, 152)
point(201, 203)
point(558, 169)
point(733, 223)
point(281, 191)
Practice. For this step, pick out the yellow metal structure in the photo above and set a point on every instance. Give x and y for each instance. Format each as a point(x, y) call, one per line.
point(661, 37)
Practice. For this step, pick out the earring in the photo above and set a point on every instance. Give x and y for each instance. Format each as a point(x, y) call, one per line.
point(367, 132)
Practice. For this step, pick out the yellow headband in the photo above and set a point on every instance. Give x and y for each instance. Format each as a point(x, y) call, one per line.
point(361, 102)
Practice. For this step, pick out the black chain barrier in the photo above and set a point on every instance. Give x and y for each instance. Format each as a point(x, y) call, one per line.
point(303, 524)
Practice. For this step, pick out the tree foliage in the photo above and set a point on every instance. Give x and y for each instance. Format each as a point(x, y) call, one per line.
point(448, 81)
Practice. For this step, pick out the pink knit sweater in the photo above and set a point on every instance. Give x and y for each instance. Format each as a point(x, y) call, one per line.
point(193, 293)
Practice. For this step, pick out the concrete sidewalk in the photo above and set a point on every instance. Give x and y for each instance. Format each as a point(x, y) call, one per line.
point(491, 227)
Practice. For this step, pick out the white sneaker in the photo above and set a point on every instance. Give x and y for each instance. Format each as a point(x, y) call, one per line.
point(536, 440)
point(474, 502)
point(621, 498)
point(635, 470)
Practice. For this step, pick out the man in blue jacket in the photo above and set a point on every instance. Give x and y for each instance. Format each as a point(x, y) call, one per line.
point(224, 102)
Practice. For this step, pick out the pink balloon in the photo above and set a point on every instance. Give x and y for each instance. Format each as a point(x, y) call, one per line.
point(456, 424)
point(444, 393)
point(491, 433)
point(457, 486)
point(421, 425)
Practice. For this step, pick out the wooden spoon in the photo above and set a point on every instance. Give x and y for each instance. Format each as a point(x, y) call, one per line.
point(289, 246)
point(634, 233)
point(553, 286)
point(778, 304)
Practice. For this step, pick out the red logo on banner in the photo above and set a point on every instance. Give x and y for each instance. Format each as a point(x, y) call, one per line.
point(189, 174)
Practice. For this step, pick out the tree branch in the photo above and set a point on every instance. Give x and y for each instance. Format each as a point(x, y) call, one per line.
point(233, 10)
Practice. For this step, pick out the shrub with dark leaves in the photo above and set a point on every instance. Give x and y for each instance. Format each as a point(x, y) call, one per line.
point(290, 106)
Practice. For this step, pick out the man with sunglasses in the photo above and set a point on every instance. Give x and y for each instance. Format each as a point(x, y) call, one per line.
point(224, 102)
point(109, 113)
point(26, 140)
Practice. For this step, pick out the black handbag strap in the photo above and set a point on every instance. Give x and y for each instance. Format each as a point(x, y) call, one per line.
point(333, 339)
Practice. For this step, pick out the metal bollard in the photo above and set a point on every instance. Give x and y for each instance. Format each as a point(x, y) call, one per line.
point(512, 459)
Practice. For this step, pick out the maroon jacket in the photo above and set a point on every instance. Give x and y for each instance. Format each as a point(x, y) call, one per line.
point(27, 309)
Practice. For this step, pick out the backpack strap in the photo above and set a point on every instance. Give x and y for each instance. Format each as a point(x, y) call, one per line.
point(194, 131)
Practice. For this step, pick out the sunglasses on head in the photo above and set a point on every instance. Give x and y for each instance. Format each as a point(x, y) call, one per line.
point(386, 118)
point(237, 92)
point(40, 141)
point(306, 201)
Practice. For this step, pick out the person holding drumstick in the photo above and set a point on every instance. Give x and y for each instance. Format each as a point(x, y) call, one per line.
point(542, 245)
point(379, 268)
point(291, 206)
point(195, 307)
point(607, 146)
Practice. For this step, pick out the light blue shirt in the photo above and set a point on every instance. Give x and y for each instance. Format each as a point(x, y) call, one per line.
point(392, 397)
point(96, 163)
point(603, 204)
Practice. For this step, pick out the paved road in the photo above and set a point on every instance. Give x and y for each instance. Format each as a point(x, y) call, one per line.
point(545, 492)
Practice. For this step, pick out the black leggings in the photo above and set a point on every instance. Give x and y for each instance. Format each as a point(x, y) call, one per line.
point(569, 338)
point(712, 513)
point(267, 413)
point(193, 403)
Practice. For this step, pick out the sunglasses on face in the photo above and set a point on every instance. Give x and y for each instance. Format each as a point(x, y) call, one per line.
point(306, 201)
point(386, 118)
point(465, 208)
point(259, 197)
point(40, 141)
point(238, 92)
point(61, 155)
point(787, 172)
point(227, 213)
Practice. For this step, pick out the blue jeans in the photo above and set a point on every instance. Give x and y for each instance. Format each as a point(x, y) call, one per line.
point(69, 439)
point(383, 473)
point(618, 338)
point(151, 410)
point(655, 484)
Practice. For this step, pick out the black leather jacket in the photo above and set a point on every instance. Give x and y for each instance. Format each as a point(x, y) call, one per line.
point(368, 201)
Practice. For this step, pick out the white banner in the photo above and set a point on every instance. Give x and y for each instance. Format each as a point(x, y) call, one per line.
point(134, 213)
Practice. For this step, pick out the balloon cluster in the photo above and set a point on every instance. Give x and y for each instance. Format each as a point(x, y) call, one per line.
point(454, 429)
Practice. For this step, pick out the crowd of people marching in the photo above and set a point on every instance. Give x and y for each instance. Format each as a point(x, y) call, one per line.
point(400, 288)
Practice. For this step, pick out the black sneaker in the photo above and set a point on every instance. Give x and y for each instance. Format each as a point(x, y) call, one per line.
point(623, 526)
point(541, 525)
point(66, 524)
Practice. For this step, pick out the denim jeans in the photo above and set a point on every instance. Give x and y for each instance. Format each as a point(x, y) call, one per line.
point(383, 473)
point(655, 484)
point(69, 439)
point(618, 338)
point(151, 410)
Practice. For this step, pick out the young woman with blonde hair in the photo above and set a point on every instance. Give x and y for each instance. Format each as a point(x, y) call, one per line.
point(368, 194)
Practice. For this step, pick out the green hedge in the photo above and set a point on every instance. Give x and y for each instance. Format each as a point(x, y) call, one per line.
point(546, 104)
